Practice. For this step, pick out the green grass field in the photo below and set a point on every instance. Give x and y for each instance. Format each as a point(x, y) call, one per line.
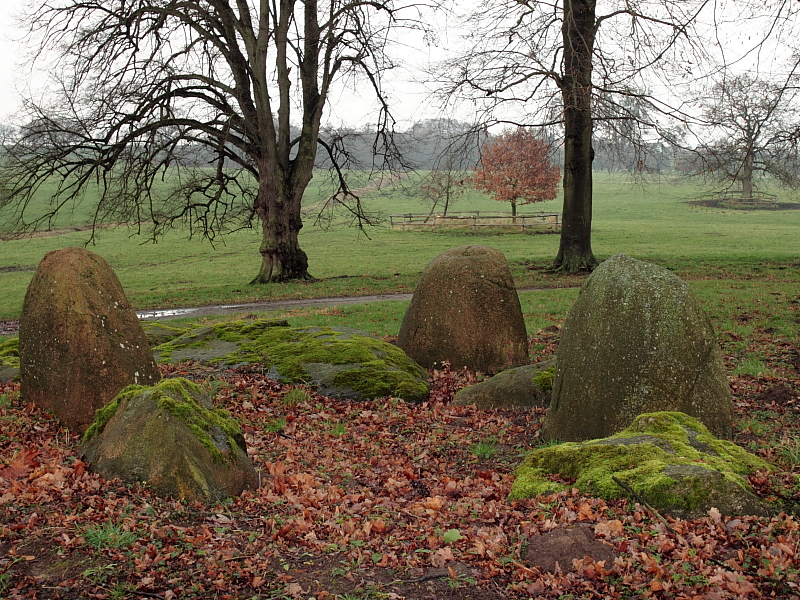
point(651, 223)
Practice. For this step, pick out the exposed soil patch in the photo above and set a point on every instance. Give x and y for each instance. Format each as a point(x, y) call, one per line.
point(779, 394)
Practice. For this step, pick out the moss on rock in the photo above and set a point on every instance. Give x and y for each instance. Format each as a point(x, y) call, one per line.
point(544, 379)
point(180, 397)
point(669, 458)
point(9, 353)
point(158, 333)
point(171, 437)
point(341, 363)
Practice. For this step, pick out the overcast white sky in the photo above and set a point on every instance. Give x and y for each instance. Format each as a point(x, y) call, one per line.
point(407, 98)
point(10, 79)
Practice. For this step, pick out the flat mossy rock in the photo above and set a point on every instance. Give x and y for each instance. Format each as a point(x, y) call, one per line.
point(158, 333)
point(635, 341)
point(170, 437)
point(465, 310)
point(340, 362)
point(80, 342)
point(9, 360)
point(520, 387)
point(669, 458)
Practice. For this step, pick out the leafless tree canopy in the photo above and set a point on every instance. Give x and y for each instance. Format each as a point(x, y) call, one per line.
point(183, 112)
point(618, 69)
point(753, 132)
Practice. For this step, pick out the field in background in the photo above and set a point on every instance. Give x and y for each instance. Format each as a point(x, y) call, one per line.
point(651, 223)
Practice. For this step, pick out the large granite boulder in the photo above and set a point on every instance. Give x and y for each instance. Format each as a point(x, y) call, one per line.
point(520, 387)
point(170, 437)
point(636, 340)
point(341, 362)
point(668, 458)
point(465, 310)
point(80, 341)
point(9, 360)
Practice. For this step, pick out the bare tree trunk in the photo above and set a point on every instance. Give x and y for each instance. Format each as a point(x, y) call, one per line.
point(578, 30)
point(281, 256)
point(747, 177)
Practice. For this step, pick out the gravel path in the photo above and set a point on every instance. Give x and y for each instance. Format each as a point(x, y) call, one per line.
point(12, 327)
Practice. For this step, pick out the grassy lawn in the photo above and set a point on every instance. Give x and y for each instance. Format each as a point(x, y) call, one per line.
point(651, 224)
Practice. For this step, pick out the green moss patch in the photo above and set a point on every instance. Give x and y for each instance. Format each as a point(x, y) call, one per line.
point(669, 458)
point(544, 379)
point(340, 362)
point(9, 353)
point(158, 333)
point(183, 400)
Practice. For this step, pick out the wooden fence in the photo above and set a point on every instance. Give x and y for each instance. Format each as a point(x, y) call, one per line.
point(734, 198)
point(541, 221)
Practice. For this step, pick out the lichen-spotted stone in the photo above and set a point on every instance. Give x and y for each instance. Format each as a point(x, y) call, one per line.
point(80, 341)
point(465, 310)
point(636, 340)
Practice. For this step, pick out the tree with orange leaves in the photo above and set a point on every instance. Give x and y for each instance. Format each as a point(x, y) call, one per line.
point(516, 167)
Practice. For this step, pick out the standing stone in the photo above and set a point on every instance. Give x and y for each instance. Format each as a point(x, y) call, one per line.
point(171, 437)
point(635, 341)
point(80, 342)
point(465, 310)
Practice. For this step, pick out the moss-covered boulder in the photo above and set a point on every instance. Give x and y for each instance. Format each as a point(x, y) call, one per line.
point(669, 458)
point(520, 387)
point(170, 437)
point(9, 360)
point(635, 341)
point(340, 362)
point(465, 310)
point(80, 341)
point(158, 333)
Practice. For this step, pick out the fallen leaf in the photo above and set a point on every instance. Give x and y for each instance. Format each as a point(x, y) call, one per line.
point(611, 528)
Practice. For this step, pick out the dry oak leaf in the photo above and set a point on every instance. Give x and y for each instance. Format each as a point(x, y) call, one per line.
point(441, 557)
point(609, 529)
point(21, 464)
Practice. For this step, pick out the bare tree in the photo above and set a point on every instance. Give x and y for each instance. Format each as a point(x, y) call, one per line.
point(752, 132)
point(574, 62)
point(442, 186)
point(449, 150)
point(143, 81)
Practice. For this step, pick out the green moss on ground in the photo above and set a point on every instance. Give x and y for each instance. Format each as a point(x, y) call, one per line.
point(9, 353)
point(179, 397)
point(640, 456)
